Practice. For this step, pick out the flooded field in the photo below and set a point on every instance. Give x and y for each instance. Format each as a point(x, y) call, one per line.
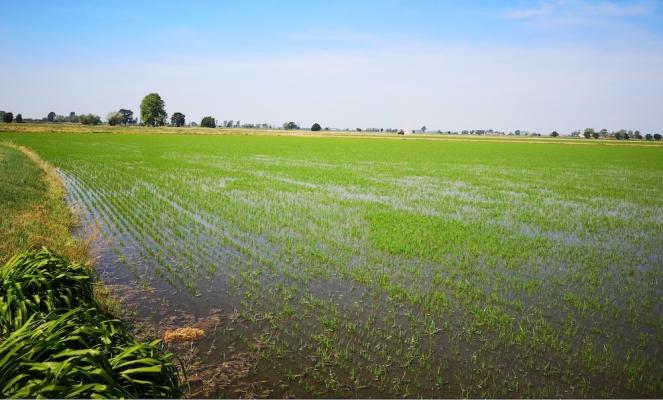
point(342, 267)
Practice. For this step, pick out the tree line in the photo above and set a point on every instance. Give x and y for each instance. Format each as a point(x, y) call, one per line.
point(153, 113)
point(622, 134)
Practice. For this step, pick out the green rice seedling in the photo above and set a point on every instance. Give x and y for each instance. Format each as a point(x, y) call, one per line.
point(497, 256)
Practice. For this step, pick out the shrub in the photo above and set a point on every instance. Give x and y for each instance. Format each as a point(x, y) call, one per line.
point(114, 118)
point(290, 125)
point(90, 119)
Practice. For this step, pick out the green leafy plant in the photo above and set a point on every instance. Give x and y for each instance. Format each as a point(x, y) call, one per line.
point(56, 342)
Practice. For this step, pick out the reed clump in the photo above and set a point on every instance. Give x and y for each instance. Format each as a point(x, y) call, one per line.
point(56, 342)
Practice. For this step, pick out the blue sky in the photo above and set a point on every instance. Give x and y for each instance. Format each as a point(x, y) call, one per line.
point(533, 65)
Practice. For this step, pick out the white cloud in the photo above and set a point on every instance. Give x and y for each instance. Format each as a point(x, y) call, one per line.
point(543, 9)
point(628, 10)
point(578, 11)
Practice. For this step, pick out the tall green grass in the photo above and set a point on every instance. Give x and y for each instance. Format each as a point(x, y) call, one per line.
point(55, 342)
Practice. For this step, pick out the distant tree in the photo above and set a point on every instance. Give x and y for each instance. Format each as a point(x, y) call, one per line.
point(19, 119)
point(588, 133)
point(554, 134)
point(127, 116)
point(290, 125)
point(73, 118)
point(648, 136)
point(657, 136)
point(2, 115)
point(637, 135)
point(358, 129)
point(208, 122)
point(50, 117)
point(7, 117)
point(596, 135)
point(152, 110)
point(316, 127)
point(423, 129)
point(623, 134)
point(178, 119)
point(603, 133)
point(114, 118)
point(237, 124)
point(90, 119)
point(401, 132)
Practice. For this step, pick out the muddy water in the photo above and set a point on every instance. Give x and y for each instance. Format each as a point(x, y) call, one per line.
point(227, 360)
point(220, 364)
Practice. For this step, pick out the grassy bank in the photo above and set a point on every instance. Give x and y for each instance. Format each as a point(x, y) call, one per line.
point(34, 211)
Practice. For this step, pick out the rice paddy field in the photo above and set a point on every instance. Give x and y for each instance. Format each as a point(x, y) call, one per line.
point(358, 266)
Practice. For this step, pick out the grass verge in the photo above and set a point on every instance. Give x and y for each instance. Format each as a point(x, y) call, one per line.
point(35, 212)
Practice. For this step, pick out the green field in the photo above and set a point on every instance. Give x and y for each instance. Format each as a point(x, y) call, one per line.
point(356, 266)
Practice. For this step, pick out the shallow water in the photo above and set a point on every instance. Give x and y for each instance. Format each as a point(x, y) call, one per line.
point(408, 271)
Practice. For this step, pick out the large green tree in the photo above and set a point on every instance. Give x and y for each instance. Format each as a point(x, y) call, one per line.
point(315, 127)
point(7, 117)
point(152, 110)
